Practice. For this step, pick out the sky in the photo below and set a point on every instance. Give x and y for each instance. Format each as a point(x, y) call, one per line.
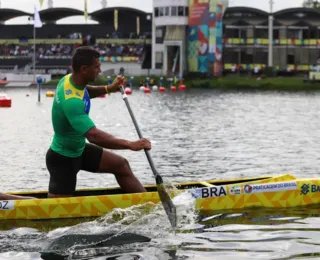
point(145, 5)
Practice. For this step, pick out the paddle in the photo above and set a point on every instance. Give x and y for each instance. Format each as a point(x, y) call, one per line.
point(168, 206)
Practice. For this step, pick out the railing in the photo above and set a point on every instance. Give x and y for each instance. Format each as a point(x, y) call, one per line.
point(74, 41)
point(265, 41)
point(288, 67)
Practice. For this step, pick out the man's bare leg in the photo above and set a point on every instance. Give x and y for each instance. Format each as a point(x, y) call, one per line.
point(119, 166)
point(50, 195)
point(4, 196)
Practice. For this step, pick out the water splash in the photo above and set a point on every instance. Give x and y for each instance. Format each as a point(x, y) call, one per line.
point(148, 219)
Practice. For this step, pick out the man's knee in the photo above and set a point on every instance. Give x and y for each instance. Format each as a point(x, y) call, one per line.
point(124, 165)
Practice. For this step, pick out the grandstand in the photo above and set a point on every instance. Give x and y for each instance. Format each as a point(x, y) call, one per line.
point(122, 42)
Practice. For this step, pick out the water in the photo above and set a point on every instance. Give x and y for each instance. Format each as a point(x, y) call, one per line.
point(200, 134)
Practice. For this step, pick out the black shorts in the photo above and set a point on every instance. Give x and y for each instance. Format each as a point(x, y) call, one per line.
point(63, 170)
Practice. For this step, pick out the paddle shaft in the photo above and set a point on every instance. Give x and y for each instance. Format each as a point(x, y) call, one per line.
point(154, 171)
point(168, 205)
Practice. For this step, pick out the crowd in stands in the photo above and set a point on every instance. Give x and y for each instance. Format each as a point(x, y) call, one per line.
point(63, 50)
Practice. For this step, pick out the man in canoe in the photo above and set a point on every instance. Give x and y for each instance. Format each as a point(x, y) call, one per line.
point(69, 153)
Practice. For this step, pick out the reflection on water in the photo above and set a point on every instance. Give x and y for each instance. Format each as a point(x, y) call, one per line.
point(200, 134)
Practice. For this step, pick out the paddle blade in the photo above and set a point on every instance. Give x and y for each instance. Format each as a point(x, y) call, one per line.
point(168, 205)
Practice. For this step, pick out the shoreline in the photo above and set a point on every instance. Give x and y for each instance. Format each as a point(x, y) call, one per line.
point(224, 83)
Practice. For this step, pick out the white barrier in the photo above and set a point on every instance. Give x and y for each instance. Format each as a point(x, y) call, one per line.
point(132, 69)
point(12, 77)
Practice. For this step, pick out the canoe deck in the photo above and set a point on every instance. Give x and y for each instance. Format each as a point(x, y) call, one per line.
point(149, 188)
point(282, 191)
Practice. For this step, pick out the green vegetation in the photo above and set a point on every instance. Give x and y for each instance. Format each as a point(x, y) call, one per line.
point(228, 83)
point(251, 83)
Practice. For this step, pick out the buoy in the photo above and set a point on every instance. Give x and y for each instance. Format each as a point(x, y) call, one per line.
point(27, 95)
point(5, 101)
point(147, 90)
point(128, 91)
point(173, 88)
point(162, 89)
point(182, 87)
point(142, 88)
point(155, 88)
point(50, 94)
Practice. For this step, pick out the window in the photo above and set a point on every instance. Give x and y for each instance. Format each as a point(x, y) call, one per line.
point(161, 11)
point(159, 60)
point(159, 57)
point(159, 33)
point(180, 11)
point(313, 33)
point(243, 33)
point(156, 12)
point(187, 11)
point(290, 59)
point(174, 11)
point(167, 11)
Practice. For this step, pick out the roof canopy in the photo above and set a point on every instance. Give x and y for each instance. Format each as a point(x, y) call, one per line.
point(297, 13)
point(7, 14)
point(54, 14)
point(244, 12)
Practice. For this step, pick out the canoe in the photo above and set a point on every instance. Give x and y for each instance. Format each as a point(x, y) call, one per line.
point(282, 191)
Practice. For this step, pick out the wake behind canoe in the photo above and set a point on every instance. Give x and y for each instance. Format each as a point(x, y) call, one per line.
point(282, 191)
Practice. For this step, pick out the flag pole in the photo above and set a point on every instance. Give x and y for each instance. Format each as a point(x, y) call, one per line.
point(34, 53)
point(37, 24)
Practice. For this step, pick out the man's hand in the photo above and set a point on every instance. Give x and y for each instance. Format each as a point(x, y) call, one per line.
point(116, 84)
point(140, 145)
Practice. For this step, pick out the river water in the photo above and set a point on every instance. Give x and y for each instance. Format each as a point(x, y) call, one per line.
point(196, 135)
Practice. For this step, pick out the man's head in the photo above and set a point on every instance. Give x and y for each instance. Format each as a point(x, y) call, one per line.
point(85, 61)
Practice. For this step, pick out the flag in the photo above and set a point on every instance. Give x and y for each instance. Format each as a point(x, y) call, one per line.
point(138, 25)
point(85, 10)
point(37, 20)
point(115, 19)
point(41, 3)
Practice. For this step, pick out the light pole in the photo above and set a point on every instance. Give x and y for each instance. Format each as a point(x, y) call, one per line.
point(270, 53)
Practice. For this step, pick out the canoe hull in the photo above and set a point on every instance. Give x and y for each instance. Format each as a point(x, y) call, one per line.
point(284, 191)
point(279, 192)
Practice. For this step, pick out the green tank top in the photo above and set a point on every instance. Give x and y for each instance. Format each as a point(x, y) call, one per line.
point(70, 118)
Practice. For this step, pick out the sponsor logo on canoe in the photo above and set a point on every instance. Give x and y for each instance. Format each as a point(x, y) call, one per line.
point(207, 192)
point(306, 188)
point(270, 187)
point(235, 190)
point(6, 205)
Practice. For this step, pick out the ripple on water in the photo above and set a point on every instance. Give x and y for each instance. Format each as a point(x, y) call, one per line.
point(196, 135)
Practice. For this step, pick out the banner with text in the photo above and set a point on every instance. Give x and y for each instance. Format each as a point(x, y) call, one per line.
point(205, 36)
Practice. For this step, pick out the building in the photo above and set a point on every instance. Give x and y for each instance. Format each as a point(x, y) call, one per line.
point(296, 38)
point(178, 37)
point(187, 36)
point(200, 32)
point(123, 35)
point(169, 36)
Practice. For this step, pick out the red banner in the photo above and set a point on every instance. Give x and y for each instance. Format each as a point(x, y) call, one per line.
point(197, 13)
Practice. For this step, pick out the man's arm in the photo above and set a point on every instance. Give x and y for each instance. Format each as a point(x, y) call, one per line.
point(97, 91)
point(105, 140)
point(108, 141)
